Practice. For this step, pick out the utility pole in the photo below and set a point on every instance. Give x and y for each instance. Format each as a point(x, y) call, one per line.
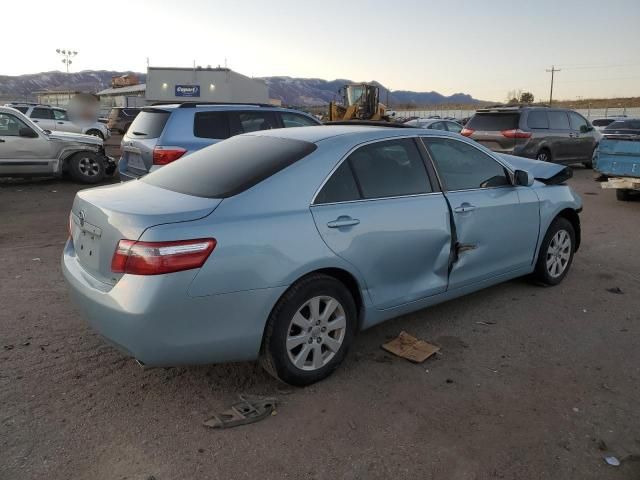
point(553, 70)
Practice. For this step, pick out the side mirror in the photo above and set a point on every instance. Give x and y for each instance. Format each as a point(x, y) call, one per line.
point(522, 178)
point(27, 132)
point(585, 128)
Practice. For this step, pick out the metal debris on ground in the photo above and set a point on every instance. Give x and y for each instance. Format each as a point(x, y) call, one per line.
point(250, 409)
point(613, 461)
point(616, 290)
point(411, 348)
point(486, 323)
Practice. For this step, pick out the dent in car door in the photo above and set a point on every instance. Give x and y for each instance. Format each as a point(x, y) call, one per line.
point(400, 245)
point(496, 232)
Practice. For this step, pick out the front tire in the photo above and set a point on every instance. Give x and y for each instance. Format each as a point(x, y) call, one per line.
point(86, 167)
point(309, 330)
point(556, 252)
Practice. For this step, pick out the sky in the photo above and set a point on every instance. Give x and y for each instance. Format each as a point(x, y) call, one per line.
point(484, 48)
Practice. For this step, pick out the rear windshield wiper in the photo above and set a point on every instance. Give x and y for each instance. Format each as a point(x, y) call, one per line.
point(139, 133)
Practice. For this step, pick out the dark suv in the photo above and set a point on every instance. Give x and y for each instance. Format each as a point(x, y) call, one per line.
point(548, 134)
point(121, 118)
point(164, 133)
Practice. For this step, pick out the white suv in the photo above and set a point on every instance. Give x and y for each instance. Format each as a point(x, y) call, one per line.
point(56, 119)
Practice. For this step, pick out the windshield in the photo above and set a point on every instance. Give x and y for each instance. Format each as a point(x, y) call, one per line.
point(355, 94)
point(149, 123)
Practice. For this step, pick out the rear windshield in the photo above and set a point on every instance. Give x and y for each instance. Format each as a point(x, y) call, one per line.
point(624, 125)
point(602, 122)
point(21, 109)
point(230, 167)
point(493, 122)
point(149, 123)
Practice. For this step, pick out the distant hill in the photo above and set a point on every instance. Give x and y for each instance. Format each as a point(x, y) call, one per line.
point(292, 91)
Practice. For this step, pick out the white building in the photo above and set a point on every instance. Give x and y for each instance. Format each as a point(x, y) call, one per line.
point(204, 85)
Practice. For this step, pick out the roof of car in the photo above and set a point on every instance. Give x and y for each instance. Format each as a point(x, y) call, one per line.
point(323, 132)
point(221, 106)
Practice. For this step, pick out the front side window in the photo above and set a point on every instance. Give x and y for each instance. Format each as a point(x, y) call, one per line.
point(558, 121)
point(21, 109)
point(256, 121)
point(341, 186)
point(463, 167)
point(60, 115)
point(42, 113)
point(577, 121)
point(437, 126)
point(389, 169)
point(10, 126)
point(295, 120)
point(211, 125)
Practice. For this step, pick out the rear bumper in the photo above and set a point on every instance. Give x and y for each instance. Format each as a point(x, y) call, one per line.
point(153, 319)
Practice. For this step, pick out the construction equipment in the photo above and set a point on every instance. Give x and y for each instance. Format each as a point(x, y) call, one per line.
point(360, 101)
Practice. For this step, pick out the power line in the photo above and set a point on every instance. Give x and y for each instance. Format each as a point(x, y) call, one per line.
point(553, 71)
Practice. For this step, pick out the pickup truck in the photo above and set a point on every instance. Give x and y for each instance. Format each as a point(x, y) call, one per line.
point(617, 160)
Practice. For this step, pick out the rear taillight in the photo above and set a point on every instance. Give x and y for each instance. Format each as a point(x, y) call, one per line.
point(515, 133)
point(155, 258)
point(164, 155)
point(467, 132)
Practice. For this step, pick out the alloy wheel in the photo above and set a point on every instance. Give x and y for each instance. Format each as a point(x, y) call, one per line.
point(558, 253)
point(316, 333)
point(89, 166)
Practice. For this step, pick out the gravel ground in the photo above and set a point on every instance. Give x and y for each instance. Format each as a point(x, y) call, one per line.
point(544, 390)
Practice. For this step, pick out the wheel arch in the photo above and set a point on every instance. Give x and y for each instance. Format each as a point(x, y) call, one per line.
point(573, 217)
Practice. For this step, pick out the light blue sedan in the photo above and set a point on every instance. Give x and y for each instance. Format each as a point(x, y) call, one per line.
point(283, 244)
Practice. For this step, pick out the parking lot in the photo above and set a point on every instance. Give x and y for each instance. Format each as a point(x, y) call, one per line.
point(531, 382)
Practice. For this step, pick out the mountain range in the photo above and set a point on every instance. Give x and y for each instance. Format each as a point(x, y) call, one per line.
point(292, 91)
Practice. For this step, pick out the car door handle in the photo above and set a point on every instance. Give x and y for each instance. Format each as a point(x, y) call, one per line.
point(572, 135)
point(465, 207)
point(343, 221)
point(35, 121)
point(1, 140)
point(61, 123)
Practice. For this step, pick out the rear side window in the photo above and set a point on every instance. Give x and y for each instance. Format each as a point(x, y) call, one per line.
point(43, 113)
point(558, 121)
point(454, 127)
point(211, 125)
point(341, 186)
point(230, 167)
point(389, 169)
point(493, 122)
point(21, 109)
point(538, 119)
point(256, 121)
point(295, 120)
point(60, 115)
point(149, 124)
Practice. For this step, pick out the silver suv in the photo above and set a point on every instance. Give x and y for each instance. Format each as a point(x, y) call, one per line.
point(28, 150)
point(56, 119)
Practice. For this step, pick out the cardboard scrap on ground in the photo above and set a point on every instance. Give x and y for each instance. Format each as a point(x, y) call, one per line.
point(410, 347)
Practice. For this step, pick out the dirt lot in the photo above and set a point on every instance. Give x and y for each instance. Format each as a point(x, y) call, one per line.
point(539, 391)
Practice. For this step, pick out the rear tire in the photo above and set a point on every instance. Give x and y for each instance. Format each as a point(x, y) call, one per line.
point(623, 195)
point(556, 252)
point(544, 155)
point(86, 167)
point(309, 330)
point(95, 133)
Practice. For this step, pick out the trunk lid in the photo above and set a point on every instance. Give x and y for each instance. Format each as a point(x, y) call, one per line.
point(618, 155)
point(101, 217)
point(488, 127)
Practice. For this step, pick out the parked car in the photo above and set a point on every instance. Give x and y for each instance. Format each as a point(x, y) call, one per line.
point(120, 119)
point(435, 124)
point(56, 119)
point(282, 244)
point(547, 134)
point(617, 158)
point(27, 150)
point(627, 126)
point(162, 134)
